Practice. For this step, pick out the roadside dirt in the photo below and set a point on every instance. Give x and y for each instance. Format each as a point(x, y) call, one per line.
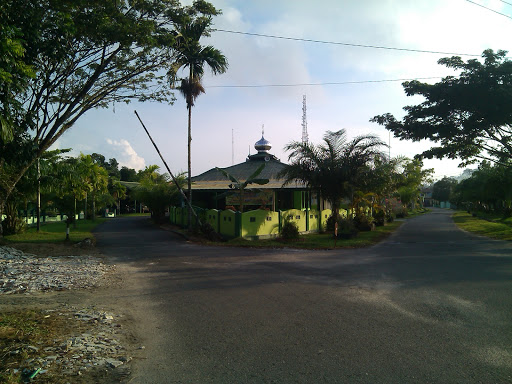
point(103, 298)
point(48, 249)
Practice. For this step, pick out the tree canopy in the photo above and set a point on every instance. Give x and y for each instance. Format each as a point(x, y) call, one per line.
point(469, 115)
point(335, 167)
point(62, 58)
point(443, 189)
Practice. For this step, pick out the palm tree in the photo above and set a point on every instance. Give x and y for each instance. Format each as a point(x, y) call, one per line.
point(118, 193)
point(192, 55)
point(96, 178)
point(334, 167)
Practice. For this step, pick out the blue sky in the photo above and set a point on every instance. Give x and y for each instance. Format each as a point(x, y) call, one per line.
point(457, 26)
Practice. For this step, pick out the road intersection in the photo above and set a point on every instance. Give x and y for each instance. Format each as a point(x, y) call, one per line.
point(431, 304)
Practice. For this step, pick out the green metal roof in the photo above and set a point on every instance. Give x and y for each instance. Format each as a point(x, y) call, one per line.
point(213, 179)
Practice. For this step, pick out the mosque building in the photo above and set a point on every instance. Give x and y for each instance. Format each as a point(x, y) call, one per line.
point(209, 188)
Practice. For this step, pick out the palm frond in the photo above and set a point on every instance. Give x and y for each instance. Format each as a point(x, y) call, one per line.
point(191, 90)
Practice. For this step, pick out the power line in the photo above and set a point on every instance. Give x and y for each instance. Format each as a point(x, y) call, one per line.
point(344, 44)
point(503, 1)
point(489, 9)
point(316, 84)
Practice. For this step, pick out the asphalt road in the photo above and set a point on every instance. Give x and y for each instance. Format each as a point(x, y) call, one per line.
point(432, 304)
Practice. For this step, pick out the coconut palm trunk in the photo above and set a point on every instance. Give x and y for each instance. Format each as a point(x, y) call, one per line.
point(191, 54)
point(189, 149)
point(189, 178)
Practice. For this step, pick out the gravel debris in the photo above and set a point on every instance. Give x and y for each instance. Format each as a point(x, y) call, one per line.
point(96, 342)
point(97, 348)
point(23, 273)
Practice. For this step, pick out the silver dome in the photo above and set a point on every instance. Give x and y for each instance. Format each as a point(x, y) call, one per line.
point(262, 145)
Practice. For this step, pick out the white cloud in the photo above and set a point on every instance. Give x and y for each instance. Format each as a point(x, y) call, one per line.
point(126, 155)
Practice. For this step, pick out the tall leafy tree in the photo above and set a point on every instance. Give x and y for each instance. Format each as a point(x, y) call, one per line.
point(195, 23)
point(96, 177)
point(335, 167)
point(469, 115)
point(118, 192)
point(412, 177)
point(157, 191)
point(443, 189)
point(72, 56)
point(128, 174)
point(15, 74)
point(489, 187)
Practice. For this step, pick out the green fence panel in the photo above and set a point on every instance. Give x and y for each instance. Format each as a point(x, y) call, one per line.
point(297, 216)
point(324, 215)
point(227, 223)
point(212, 218)
point(314, 220)
point(260, 222)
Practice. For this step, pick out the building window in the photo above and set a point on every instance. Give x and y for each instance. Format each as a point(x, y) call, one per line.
point(252, 219)
point(297, 217)
point(269, 218)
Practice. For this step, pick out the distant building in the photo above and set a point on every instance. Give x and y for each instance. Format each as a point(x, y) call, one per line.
point(210, 187)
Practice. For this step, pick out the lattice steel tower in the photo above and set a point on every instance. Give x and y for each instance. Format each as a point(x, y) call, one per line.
point(304, 121)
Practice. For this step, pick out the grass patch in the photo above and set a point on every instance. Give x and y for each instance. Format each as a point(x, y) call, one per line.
point(56, 232)
point(28, 336)
point(134, 215)
point(321, 240)
point(499, 229)
point(417, 212)
point(21, 336)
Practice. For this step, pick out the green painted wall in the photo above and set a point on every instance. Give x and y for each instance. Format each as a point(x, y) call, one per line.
point(324, 215)
point(212, 218)
point(314, 220)
point(297, 216)
point(260, 223)
point(227, 223)
point(181, 217)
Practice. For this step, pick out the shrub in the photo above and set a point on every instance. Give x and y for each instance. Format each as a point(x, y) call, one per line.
point(346, 225)
point(209, 232)
point(12, 224)
point(290, 230)
point(379, 217)
point(402, 213)
point(346, 229)
point(364, 223)
point(329, 225)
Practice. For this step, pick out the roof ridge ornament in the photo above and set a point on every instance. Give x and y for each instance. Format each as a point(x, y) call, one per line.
point(263, 145)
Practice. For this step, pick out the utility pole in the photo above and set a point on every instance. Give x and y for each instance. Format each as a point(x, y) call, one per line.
point(192, 210)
